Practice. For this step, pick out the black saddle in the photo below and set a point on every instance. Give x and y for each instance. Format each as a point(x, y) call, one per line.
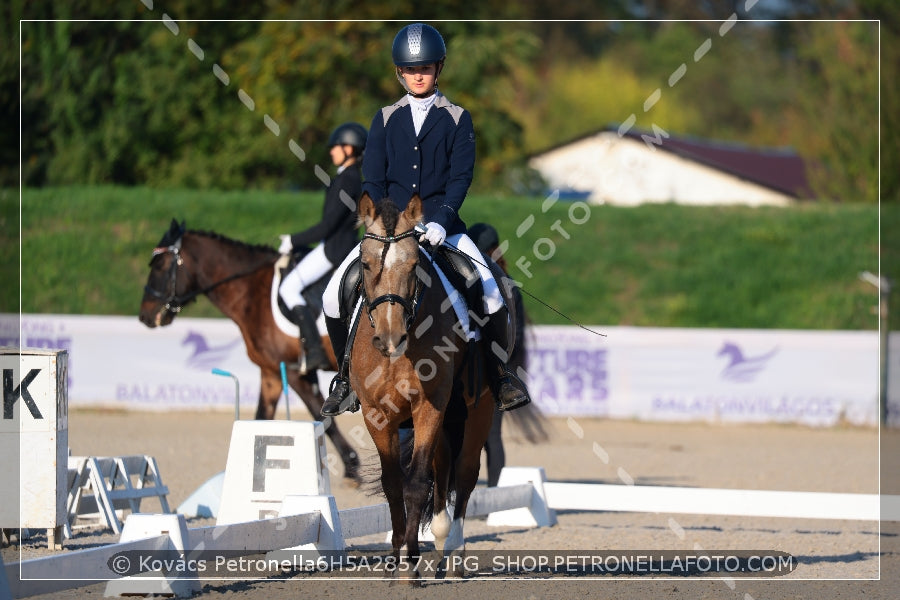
point(463, 276)
point(456, 265)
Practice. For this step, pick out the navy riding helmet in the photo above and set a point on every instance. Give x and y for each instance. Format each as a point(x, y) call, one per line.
point(418, 44)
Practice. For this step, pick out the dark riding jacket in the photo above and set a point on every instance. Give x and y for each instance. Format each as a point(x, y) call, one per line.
point(438, 164)
point(338, 228)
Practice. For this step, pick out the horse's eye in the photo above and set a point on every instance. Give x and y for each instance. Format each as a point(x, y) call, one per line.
point(366, 266)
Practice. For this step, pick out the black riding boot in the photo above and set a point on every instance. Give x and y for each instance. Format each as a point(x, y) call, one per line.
point(340, 397)
point(509, 391)
point(314, 356)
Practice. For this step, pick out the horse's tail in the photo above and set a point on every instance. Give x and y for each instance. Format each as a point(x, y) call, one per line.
point(529, 422)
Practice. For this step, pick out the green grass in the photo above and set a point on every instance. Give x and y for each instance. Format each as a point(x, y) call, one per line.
point(85, 251)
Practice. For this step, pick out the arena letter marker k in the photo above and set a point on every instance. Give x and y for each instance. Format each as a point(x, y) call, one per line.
point(10, 394)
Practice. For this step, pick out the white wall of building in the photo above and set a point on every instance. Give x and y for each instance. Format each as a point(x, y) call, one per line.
point(626, 171)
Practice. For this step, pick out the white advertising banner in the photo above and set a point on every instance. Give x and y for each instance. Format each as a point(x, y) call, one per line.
point(718, 375)
point(664, 374)
point(118, 362)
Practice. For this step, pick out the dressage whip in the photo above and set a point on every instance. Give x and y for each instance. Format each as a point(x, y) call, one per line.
point(420, 228)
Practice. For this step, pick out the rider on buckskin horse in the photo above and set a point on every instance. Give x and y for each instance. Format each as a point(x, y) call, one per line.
point(337, 232)
point(423, 144)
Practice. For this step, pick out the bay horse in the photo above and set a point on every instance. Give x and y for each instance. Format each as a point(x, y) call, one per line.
point(409, 363)
point(237, 278)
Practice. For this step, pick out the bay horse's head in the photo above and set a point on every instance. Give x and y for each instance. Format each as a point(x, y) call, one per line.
point(389, 254)
point(166, 289)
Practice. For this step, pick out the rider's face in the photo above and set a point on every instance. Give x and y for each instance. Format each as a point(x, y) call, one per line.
point(420, 79)
point(340, 154)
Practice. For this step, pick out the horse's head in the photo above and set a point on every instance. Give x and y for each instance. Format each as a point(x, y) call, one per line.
point(167, 282)
point(389, 253)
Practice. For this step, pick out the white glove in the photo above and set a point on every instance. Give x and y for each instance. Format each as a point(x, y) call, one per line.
point(435, 234)
point(286, 245)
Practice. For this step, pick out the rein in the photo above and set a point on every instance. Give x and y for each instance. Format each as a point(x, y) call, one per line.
point(410, 305)
point(175, 302)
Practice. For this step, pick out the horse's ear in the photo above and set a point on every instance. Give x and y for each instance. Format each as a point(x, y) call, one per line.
point(366, 210)
point(175, 229)
point(414, 209)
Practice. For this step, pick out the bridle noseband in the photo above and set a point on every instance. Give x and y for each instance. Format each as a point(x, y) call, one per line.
point(410, 305)
point(173, 302)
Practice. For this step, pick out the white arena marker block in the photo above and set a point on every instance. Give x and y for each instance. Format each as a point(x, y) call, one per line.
point(890, 508)
point(330, 542)
point(539, 513)
point(180, 581)
point(268, 460)
point(34, 441)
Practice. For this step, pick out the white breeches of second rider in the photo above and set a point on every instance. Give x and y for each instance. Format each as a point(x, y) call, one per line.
point(310, 269)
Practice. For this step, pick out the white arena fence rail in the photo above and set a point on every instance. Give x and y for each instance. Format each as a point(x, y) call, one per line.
point(523, 497)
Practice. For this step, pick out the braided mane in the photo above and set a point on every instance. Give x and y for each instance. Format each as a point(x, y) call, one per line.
point(237, 243)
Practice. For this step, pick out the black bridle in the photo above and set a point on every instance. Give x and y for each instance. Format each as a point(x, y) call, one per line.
point(410, 305)
point(172, 301)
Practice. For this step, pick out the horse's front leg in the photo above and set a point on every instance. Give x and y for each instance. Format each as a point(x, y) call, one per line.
point(447, 529)
point(421, 480)
point(468, 463)
point(440, 522)
point(269, 392)
point(387, 443)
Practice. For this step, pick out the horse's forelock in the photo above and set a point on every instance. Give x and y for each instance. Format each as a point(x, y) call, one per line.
point(389, 214)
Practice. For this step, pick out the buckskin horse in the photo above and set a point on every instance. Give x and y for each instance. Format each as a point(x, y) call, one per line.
point(410, 363)
point(237, 278)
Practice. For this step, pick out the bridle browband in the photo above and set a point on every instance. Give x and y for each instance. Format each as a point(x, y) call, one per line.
point(173, 301)
point(410, 305)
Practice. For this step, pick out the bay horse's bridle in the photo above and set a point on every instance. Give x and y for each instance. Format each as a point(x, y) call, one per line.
point(410, 305)
point(173, 302)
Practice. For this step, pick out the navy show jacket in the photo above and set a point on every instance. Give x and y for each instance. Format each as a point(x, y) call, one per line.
point(438, 164)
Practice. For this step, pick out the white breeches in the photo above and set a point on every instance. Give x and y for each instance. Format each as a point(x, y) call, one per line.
point(309, 270)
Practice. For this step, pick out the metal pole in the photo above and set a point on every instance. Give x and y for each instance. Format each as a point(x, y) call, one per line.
point(237, 391)
point(284, 386)
point(884, 330)
point(884, 286)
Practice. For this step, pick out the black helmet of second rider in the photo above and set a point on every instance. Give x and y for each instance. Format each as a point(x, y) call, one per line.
point(418, 45)
point(349, 134)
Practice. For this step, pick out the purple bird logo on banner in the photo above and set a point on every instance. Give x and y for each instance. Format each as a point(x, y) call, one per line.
point(740, 368)
point(205, 356)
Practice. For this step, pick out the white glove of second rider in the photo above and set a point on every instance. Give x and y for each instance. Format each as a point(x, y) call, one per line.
point(435, 234)
point(286, 245)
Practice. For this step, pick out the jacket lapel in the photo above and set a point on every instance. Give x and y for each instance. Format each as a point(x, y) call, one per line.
point(435, 115)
